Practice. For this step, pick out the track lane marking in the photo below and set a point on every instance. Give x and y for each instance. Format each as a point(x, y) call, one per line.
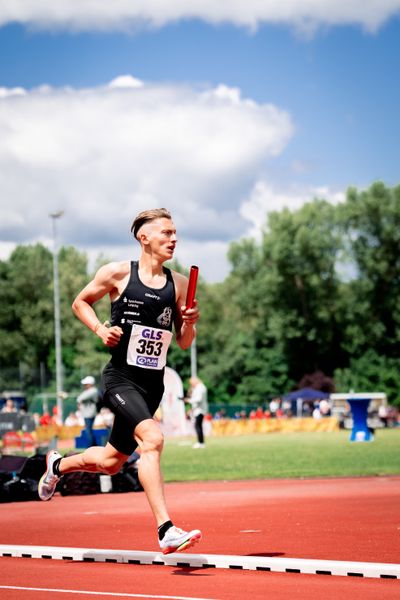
point(218, 561)
point(93, 593)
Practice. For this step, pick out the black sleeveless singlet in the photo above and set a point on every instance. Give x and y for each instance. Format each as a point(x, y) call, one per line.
point(133, 380)
point(139, 305)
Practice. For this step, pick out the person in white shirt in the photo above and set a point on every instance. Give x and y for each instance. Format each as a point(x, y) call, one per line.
point(87, 405)
point(72, 420)
point(198, 401)
point(9, 406)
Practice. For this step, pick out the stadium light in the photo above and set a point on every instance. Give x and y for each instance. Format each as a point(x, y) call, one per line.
point(57, 321)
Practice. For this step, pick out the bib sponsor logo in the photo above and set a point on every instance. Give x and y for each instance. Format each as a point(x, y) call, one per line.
point(148, 347)
point(145, 361)
point(152, 334)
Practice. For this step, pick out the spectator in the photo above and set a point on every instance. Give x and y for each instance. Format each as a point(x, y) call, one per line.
point(105, 418)
point(273, 406)
point(87, 405)
point(72, 420)
point(220, 414)
point(56, 420)
point(45, 419)
point(383, 414)
point(324, 408)
point(198, 401)
point(259, 412)
point(317, 411)
point(9, 406)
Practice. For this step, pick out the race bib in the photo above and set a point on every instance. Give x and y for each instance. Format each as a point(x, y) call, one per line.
point(148, 347)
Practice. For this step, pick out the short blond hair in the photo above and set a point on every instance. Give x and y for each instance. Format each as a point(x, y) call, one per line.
point(147, 216)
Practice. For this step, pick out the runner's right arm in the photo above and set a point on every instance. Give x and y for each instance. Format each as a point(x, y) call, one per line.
point(103, 283)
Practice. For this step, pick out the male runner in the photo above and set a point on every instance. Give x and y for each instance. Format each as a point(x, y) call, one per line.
point(146, 299)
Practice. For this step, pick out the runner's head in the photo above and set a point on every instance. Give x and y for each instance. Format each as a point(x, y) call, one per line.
point(156, 233)
point(147, 216)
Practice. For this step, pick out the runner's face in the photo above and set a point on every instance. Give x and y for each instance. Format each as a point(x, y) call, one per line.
point(162, 237)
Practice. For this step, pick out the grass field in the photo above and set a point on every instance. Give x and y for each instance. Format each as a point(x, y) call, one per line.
point(282, 455)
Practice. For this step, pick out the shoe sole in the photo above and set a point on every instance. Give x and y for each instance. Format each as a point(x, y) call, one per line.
point(188, 544)
point(43, 478)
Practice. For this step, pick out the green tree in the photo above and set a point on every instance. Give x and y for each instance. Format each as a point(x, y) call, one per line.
point(371, 372)
point(319, 292)
point(26, 317)
point(279, 319)
point(298, 288)
point(238, 363)
point(83, 352)
point(371, 222)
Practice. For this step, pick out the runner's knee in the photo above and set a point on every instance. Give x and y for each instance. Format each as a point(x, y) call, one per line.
point(110, 466)
point(153, 441)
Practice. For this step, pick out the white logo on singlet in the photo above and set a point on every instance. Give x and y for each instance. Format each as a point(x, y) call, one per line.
point(165, 318)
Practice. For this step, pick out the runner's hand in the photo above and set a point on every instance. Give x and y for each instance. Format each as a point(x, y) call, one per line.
point(190, 316)
point(110, 335)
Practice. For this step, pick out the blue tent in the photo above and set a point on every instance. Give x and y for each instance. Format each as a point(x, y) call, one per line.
point(306, 394)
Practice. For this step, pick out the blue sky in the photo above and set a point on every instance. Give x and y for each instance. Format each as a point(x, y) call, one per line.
point(264, 117)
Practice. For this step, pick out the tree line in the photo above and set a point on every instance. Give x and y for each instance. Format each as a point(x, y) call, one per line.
point(315, 301)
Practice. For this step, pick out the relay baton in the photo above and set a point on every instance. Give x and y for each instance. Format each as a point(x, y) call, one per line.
point(191, 291)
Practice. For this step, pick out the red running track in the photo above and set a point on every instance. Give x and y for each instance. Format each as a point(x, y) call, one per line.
point(328, 519)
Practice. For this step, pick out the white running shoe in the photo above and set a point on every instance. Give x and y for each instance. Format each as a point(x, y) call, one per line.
point(177, 540)
point(48, 481)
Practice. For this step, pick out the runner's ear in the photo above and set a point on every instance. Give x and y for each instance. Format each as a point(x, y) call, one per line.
point(143, 238)
point(143, 235)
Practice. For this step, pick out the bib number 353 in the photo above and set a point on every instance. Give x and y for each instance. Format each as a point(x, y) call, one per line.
point(148, 347)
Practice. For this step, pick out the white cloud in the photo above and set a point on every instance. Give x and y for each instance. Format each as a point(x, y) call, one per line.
point(125, 81)
point(104, 154)
point(78, 15)
point(264, 199)
point(6, 92)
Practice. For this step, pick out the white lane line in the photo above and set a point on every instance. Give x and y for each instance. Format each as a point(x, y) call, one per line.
point(92, 593)
point(217, 561)
point(250, 531)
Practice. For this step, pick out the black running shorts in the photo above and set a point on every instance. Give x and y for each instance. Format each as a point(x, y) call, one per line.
point(133, 395)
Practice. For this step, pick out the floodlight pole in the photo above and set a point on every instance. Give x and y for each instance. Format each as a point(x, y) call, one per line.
point(193, 359)
point(57, 321)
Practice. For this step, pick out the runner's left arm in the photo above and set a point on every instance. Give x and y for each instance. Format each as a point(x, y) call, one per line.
point(186, 318)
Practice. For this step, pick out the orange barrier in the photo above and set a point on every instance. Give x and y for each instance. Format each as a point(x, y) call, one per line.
point(246, 426)
point(45, 433)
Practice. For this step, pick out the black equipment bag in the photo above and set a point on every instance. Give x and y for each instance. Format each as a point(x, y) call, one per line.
point(127, 480)
point(19, 477)
point(79, 484)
